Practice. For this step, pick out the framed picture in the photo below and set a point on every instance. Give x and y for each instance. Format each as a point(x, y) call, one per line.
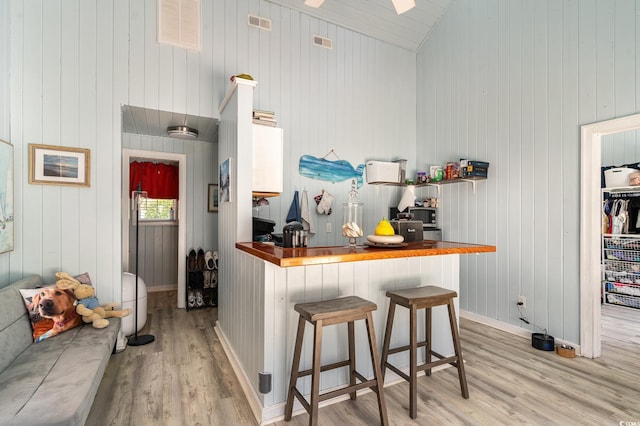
point(58, 165)
point(213, 197)
point(225, 181)
point(6, 196)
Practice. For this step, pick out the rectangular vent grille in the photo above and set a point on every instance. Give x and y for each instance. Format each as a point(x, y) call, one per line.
point(258, 22)
point(322, 42)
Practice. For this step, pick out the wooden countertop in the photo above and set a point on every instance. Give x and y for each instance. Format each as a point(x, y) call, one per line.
point(286, 257)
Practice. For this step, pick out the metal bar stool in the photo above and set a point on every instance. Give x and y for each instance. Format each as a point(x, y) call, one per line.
point(322, 314)
point(422, 298)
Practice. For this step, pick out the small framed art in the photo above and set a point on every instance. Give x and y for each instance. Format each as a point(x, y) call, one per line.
point(225, 181)
point(58, 165)
point(213, 197)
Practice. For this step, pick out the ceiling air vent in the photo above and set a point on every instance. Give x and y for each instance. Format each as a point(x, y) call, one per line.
point(322, 42)
point(258, 22)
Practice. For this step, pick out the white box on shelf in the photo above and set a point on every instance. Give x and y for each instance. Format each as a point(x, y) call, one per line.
point(383, 171)
point(617, 176)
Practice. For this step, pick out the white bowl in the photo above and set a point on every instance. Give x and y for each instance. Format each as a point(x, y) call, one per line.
point(385, 239)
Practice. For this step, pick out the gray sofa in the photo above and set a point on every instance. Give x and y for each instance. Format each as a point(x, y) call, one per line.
point(52, 382)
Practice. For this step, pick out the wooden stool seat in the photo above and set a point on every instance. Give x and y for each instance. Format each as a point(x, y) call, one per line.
point(325, 313)
point(414, 299)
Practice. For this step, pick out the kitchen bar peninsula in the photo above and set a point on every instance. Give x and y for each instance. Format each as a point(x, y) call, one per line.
point(271, 280)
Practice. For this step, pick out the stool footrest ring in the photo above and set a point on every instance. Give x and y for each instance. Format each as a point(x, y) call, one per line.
point(406, 348)
point(324, 368)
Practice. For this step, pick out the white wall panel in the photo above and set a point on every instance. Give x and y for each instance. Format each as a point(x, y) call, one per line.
point(74, 64)
point(510, 82)
point(5, 133)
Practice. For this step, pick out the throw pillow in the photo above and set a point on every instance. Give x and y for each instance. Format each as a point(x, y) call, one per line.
point(51, 311)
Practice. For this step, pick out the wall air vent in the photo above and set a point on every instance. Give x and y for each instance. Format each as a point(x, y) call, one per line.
point(258, 22)
point(322, 42)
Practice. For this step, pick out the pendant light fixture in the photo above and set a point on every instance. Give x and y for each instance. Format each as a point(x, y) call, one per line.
point(182, 132)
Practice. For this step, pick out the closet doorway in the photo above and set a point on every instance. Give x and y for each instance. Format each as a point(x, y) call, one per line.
point(591, 229)
point(160, 239)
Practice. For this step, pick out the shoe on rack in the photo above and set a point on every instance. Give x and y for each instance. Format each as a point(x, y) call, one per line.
point(215, 259)
point(208, 257)
point(199, 300)
point(213, 280)
point(192, 300)
point(192, 260)
point(207, 279)
point(200, 262)
point(207, 298)
point(196, 279)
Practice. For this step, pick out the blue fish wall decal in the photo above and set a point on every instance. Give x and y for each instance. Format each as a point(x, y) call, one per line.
point(332, 171)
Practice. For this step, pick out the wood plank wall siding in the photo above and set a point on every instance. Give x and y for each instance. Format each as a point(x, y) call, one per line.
point(507, 82)
point(621, 148)
point(158, 265)
point(510, 83)
point(74, 64)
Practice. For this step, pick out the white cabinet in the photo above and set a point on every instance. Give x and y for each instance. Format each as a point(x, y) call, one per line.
point(267, 160)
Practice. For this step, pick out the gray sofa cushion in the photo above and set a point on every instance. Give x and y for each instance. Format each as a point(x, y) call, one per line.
point(15, 328)
point(53, 382)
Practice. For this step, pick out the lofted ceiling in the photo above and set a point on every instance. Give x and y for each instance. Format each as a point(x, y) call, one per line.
point(378, 18)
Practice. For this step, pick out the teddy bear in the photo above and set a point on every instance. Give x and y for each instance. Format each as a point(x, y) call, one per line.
point(87, 304)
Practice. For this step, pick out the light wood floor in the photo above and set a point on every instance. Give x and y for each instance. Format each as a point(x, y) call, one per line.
point(184, 378)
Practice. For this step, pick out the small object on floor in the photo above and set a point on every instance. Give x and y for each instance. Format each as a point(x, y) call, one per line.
point(542, 341)
point(566, 351)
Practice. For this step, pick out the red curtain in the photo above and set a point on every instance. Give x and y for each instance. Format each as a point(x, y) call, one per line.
point(158, 179)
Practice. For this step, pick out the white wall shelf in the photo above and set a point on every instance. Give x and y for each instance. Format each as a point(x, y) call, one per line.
point(470, 179)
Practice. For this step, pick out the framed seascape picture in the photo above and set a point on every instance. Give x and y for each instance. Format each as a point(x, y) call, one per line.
point(58, 165)
point(225, 181)
point(6, 196)
point(213, 197)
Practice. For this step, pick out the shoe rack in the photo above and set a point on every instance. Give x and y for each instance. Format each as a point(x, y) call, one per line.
point(202, 280)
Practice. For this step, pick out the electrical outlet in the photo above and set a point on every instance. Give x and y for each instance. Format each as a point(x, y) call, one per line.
point(522, 301)
point(328, 227)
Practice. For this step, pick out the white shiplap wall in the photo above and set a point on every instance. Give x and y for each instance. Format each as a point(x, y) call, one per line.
point(621, 148)
point(510, 82)
point(5, 134)
point(74, 64)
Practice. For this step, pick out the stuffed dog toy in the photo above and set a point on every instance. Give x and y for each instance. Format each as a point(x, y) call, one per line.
point(87, 304)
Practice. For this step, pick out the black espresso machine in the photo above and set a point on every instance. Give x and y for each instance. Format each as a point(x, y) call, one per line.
point(263, 231)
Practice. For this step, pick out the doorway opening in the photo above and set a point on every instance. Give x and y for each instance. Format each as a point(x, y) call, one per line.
point(157, 238)
point(591, 228)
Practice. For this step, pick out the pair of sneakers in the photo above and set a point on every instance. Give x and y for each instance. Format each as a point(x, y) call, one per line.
point(195, 299)
point(210, 278)
point(196, 261)
point(200, 260)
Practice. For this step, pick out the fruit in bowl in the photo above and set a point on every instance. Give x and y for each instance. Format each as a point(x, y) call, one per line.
point(384, 228)
point(385, 234)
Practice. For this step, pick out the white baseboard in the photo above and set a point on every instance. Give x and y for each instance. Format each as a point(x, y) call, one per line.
point(275, 413)
point(509, 328)
point(245, 383)
point(156, 288)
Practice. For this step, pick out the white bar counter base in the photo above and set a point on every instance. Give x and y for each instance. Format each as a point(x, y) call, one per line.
point(271, 280)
